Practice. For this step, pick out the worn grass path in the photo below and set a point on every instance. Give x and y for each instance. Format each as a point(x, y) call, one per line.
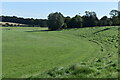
point(28, 51)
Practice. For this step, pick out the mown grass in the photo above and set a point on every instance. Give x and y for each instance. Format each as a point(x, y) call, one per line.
point(73, 53)
point(30, 51)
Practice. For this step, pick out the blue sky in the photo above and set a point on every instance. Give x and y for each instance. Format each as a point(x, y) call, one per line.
point(42, 9)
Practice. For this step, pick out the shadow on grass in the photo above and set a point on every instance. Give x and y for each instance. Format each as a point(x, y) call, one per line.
point(101, 30)
point(41, 30)
point(38, 31)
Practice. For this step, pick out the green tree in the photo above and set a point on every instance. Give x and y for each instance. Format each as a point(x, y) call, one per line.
point(113, 13)
point(105, 21)
point(67, 21)
point(115, 17)
point(90, 19)
point(76, 22)
point(55, 21)
point(115, 20)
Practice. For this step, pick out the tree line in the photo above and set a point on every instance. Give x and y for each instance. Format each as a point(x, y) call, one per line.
point(29, 22)
point(57, 20)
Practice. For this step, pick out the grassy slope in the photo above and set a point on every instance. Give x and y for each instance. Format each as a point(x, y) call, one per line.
point(104, 65)
point(29, 51)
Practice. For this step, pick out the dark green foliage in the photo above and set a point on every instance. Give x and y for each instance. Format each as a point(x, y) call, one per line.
point(114, 12)
point(55, 21)
point(27, 21)
point(115, 17)
point(64, 26)
point(104, 21)
point(67, 21)
point(115, 20)
point(90, 19)
point(75, 22)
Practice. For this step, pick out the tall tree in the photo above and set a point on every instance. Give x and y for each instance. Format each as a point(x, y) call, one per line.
point(113, 13)
point(55, 21)
point(115, 17)
point(90, 19)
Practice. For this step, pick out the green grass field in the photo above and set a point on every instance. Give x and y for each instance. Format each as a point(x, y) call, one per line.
point(73, 53)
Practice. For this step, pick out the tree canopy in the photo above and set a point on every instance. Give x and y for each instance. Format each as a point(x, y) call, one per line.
point(55, 21)
point(75, 22)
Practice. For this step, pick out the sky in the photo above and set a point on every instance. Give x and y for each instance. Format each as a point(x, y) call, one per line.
point(59, 0)
point(41, 10)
